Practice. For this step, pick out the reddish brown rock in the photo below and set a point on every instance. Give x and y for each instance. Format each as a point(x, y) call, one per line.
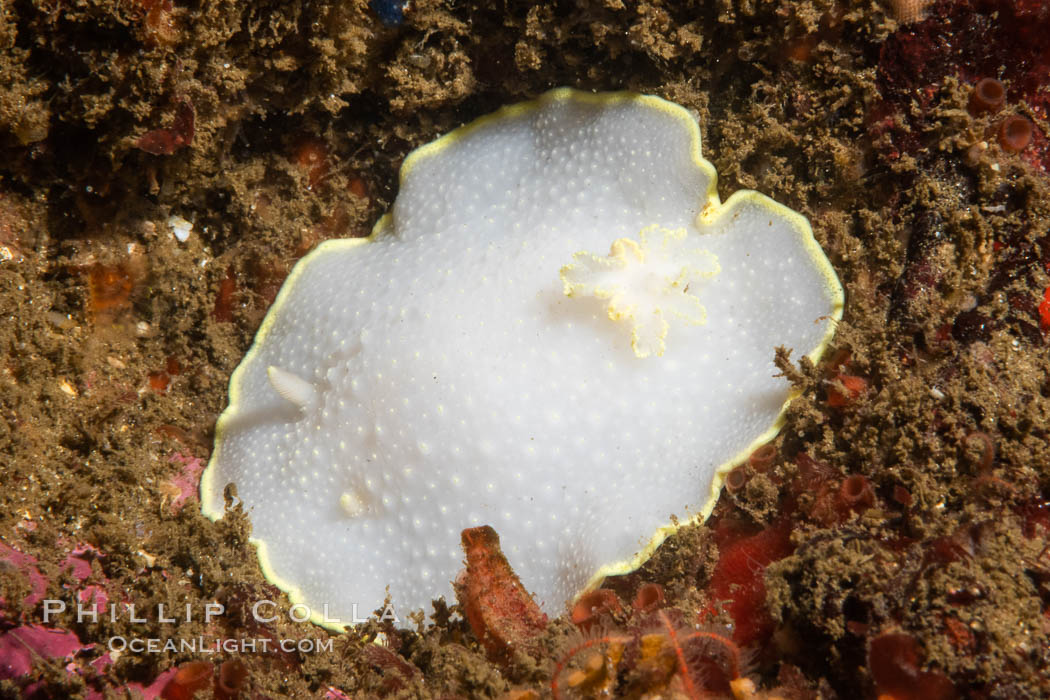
point(502, 614)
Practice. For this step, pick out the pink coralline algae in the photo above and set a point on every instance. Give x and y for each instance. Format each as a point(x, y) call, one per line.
point(78, 563)
point(24, 643)
point(185, 484)
point(21, 646)
point(26, 566)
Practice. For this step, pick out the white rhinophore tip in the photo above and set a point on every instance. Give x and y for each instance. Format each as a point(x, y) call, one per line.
point(291, 387)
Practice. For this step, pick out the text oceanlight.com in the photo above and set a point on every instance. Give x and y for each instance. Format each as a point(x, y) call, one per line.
point(206, 645)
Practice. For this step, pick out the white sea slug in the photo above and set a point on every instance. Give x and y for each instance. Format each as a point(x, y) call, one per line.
point(558, 331)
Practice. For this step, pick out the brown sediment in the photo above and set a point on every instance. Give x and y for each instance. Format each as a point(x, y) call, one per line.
point(301, 115)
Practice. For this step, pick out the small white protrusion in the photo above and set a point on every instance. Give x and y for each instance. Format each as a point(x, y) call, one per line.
point(291, 387)
point(352, 504)
point(180, 228)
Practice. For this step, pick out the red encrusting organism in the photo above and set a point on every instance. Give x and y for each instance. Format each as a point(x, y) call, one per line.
point(1015, 133)
point(109, 289)
point(736, 479)
point(232, 677)
point(763, 457)
point(820, 487)
point(357, 187)
point(959, 635)
point(894, 660)
point(160, 380)
point(845, 389)
point(902, 495)
point(223, 309)
point(1044, 311)
point(594, 608)
point(502, 614)
point(988, 95)
point(311, 158)
point(164, 142)
point(985, 448)
point(738, 581)
point(190, 677)
point(158, 23)
point(648, 598)
point(856, 493)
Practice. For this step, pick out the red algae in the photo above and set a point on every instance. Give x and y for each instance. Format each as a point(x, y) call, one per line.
point(1044, 311)
point(894, 660)
point(738, 580)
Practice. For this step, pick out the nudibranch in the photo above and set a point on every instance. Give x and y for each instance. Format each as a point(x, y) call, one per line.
point(558, 331)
